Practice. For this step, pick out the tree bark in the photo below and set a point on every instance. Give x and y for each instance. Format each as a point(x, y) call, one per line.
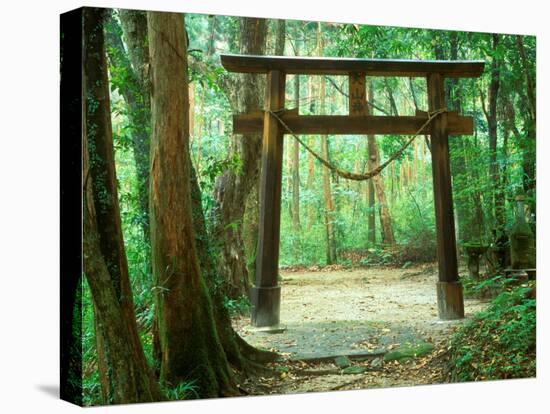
point(189, 341)
point(491, 115)
point(105, 264)
point(528, 145)
point(233, 188)
point(296, 163)
point(136, 94)
point(310, 164)
point(329, 207)
point(386, 228)
point(327, 195)
point(371, 223)
point(528, 79)
point(280, 39)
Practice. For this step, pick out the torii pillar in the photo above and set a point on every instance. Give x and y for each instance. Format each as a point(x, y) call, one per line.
point(266, 293)
point(450, 301)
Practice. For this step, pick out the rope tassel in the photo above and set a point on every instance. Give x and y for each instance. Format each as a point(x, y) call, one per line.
point(350, 175)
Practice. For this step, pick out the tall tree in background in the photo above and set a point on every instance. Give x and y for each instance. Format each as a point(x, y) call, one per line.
point(386, 228)
point(234, 187)
point(528, 145)
point(310, 182)
point(280, 37)
point(296, 149)
point(190, 345)
point(371, 222)
point(126, 377)
point(490, 112)
point(129, 76)
point(327, 194)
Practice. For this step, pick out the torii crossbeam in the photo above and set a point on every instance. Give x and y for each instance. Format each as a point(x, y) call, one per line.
point(266, 294)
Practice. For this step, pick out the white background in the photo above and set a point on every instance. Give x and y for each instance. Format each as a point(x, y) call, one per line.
point(29, 216)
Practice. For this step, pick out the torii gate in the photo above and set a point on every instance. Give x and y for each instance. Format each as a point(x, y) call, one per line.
point(266, 294)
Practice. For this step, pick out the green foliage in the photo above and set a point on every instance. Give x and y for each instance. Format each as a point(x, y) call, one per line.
point(240, 306)
point(183, 391)
point(90, 382)
point(484, 288)
point(378, 257)
point(499, 343)
point(91, 389)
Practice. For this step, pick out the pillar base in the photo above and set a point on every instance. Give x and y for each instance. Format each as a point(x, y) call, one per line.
point(266, 305)
point(450, 302)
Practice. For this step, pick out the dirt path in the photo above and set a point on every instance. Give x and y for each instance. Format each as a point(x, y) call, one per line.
point(351, 312)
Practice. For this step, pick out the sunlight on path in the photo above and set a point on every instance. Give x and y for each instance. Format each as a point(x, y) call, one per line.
point(347, 312)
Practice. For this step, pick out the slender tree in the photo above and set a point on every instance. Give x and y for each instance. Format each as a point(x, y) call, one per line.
point(296, 150)
point(371, 223)
point(327, 194)
point(386, 227)
point(530, 125)
point(129, 76)
point(490, 111)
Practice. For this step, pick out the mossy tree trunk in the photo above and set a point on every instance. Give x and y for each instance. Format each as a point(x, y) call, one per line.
point(189, 341)
point(240, 354)
point(105, 265)
point(235, 187)
point(131, 81)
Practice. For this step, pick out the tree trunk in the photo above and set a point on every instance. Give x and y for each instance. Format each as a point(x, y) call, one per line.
point(296, 163)
point(310, 164)
point(383, 210)
point(528, 145)
point(189, 341)
point(212, 39)
point(234, 188)
point(136, 94)
point(327, 195)
point(329, 206)
point(280, 39)
point(491, 115)
point(105, 264)
point(528, 80)
point(371, 214)
point(239, 354)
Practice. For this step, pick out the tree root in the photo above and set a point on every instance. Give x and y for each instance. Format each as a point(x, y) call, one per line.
point(255, 354)
point(350, 356)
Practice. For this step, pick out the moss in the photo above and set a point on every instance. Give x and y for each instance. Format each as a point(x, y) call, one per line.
point(202, 358)
point(409, 351)
point(354, 370)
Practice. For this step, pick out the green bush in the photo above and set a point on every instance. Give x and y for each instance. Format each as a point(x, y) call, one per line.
point(499, 343)
point(487, 288)
point(240, 306)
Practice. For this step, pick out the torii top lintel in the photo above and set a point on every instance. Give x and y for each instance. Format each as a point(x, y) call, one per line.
point(343, 66)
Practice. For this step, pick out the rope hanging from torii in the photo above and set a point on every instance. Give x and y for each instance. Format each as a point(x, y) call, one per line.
point(350, 175)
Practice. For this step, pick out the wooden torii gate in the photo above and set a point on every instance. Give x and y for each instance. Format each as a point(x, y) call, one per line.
point(266, 294)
